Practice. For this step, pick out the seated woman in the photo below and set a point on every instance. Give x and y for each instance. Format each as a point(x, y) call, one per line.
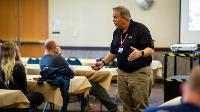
point(13, 75)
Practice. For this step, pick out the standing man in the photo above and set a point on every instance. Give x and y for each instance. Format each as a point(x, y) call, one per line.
point(133, 46)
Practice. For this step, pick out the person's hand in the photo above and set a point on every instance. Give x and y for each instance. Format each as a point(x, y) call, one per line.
point(59, 50)
point(135, 54)
point(98, 65)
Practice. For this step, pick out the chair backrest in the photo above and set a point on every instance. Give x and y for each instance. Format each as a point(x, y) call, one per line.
point(33, 60)
point(3, 85)
point(73, 61)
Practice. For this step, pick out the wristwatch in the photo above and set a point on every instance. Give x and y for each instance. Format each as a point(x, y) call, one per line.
point(142, 51)
point(103, 62)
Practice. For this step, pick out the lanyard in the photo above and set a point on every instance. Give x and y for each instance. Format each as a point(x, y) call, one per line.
point(122, 40)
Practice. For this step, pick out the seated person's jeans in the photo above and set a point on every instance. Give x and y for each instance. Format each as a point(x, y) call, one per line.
point(101, 94)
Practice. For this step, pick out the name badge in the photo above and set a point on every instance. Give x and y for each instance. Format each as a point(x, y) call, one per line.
point(120, 50)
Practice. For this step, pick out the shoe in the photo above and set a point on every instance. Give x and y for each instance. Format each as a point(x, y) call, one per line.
point(119, 110)
point(89, 107)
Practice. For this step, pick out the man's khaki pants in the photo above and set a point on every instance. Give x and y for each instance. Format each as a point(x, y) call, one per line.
point(134, 89)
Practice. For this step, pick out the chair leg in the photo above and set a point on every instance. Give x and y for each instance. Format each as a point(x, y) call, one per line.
point(101, 107)
point(30, 110)
point(116, 96)
point(83, 102)
point(51, 107)
point(34, 109)
point(45, 107)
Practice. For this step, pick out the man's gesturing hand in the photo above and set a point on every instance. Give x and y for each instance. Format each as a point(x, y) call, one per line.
point(135, 54)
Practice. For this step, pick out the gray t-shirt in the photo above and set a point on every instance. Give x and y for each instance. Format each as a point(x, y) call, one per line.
point(53, 61)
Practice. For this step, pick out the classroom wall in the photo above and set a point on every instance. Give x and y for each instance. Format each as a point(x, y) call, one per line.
point(78, 21)
point(83, 22)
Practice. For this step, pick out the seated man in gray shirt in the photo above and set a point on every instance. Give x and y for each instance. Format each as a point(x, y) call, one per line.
point(53, 58)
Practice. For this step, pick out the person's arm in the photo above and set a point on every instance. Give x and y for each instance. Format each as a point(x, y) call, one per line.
point(98, 65)
point(72, 69)
point(59, 51)
point(148, 51)
point(146, 43)
point(19, 76)
point(109, 58)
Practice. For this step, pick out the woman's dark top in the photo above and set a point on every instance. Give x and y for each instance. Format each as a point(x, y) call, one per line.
point(19, 78)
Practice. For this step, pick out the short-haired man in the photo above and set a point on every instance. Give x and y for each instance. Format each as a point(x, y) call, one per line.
point(191, 96)
point(132, 45)
point(51, 58)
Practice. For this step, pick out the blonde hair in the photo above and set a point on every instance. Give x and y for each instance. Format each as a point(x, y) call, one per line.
point(123, 11)
point(8, 55)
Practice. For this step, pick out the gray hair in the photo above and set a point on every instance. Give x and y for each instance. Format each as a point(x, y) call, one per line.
point(123, 11)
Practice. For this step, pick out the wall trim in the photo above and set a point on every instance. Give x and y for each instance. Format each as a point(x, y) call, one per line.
point(101, 48)
point(32, 42)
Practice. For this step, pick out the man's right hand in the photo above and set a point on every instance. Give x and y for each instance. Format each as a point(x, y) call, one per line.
point(98, 65)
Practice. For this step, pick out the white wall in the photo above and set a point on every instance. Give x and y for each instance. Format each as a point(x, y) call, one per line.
point(190, 15)
point(89, 22)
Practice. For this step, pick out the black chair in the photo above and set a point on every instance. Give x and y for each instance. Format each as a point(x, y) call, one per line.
point(33, 60)
point(2, 85)
point(36, 99)
point(72, 98)
point(73, 61)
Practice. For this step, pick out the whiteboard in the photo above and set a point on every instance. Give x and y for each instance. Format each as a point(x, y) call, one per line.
point(81, 24)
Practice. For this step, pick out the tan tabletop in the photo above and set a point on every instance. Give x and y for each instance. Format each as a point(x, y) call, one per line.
point(32, 69)
point(52, 94)
point(78, 67)
point(24, 60)
point(13, 99)
point(157, 68)
point(103, 76)
point(87, 62)
point(156, 65)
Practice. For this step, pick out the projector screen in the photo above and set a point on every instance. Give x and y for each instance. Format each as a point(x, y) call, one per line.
point(190, 21)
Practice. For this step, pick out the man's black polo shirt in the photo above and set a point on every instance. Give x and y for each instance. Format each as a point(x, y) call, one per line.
point(137, 36)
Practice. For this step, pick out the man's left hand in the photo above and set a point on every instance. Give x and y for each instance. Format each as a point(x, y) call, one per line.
point(135, 54)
